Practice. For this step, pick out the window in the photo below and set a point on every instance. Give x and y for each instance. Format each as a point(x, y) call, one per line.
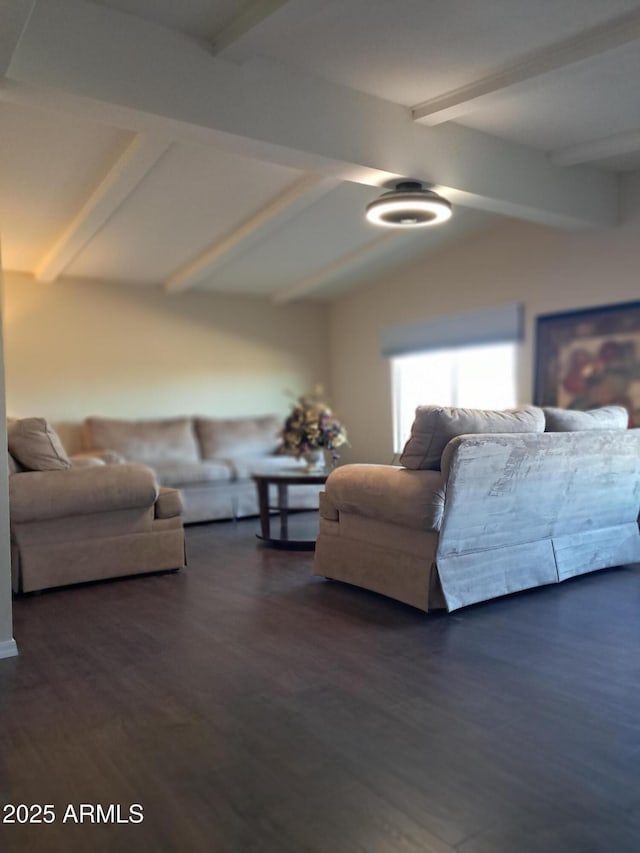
point(478, 377)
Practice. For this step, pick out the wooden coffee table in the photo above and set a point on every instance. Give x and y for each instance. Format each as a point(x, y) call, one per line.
point(284, 479)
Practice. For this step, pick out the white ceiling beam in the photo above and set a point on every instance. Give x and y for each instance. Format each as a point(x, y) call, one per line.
point(317, 280)
point(14, 15)
point(263, 110)
point(123, 177)
point(299, 195)
point(247, 20)
point(626, 142)
point(592, 42)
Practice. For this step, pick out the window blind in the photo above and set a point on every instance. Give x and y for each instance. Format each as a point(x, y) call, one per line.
point(500, 324)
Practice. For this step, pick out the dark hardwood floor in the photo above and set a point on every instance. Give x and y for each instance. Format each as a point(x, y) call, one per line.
point(250, 708)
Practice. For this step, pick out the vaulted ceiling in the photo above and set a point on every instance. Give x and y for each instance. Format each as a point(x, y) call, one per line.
point(232, 145)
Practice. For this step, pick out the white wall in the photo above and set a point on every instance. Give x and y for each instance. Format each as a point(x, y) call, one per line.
point(75, 348)
point(547, 269)
point(7, 643)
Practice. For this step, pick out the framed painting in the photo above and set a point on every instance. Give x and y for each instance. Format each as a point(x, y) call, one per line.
point(585, 359)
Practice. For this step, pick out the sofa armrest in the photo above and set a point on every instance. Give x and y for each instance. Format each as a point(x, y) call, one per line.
point(169, 503)
point(387, 493)
point(40, 495)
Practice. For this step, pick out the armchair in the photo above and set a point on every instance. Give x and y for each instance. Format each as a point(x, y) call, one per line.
point(507, 512)
point(91, 521)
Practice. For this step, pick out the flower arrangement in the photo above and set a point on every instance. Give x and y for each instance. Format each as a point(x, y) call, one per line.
point(312, 425)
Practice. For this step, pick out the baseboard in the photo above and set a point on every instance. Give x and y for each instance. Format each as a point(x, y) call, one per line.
point(8, 649)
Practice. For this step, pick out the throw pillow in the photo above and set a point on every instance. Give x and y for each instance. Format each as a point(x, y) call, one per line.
point(572, 420)
point(36, 445)
point(14, 466)
point(435, 426)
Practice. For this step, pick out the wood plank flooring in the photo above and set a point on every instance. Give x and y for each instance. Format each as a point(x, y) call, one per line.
point(253, 709)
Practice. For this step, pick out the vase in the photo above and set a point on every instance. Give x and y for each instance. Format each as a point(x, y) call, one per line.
point(314, 459)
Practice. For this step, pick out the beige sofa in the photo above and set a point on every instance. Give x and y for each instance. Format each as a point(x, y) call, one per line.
point(505, 512)
point(209, 460)
point(77, 519)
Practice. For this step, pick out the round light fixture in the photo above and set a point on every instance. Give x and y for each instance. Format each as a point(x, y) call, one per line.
point(408, 206)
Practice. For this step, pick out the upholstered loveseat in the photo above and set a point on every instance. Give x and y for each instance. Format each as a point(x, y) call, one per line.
point(76, 519)
point(474, 516)
point(209, 460)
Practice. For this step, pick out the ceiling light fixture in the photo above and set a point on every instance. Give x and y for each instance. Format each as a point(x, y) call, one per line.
point(408, 206)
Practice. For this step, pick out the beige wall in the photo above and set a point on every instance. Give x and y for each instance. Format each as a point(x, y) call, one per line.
point(76, 348)
point(548, 270)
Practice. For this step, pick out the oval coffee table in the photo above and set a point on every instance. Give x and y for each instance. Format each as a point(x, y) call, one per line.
point(284, 479)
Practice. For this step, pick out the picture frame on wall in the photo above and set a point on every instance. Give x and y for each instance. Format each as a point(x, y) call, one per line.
point(589, 358)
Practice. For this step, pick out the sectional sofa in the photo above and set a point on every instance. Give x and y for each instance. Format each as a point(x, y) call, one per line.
point(209, 460)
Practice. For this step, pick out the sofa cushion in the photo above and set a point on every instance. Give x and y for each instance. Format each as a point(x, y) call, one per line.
point(39, 495)
point(177, 474)
point(231, 437)
point(35, 445)
point(146, 442)
point(435, 426)
point(572, 420)
point(387, 493)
